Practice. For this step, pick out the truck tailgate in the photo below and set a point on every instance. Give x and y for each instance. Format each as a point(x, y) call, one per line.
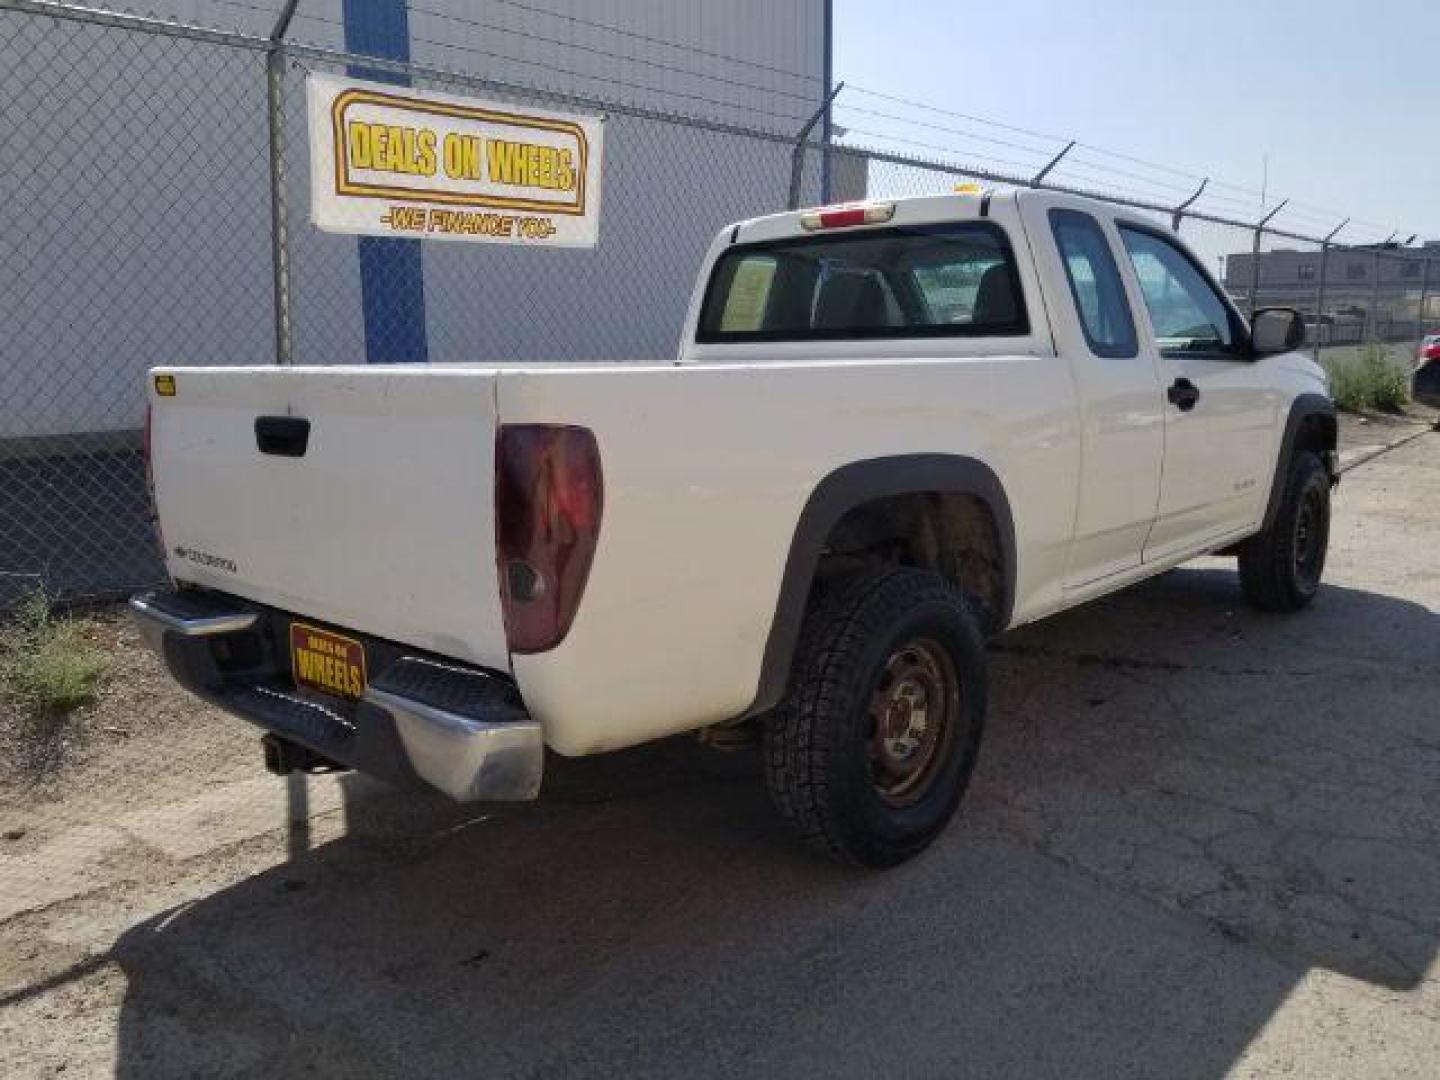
point(379, 517)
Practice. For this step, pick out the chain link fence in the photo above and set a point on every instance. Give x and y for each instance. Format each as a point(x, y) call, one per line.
point(150, 162)
point(136, 216)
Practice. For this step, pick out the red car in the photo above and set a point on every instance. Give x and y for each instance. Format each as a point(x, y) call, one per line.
point(1425, 387)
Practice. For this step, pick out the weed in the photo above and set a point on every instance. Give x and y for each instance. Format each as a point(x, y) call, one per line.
point(1369, 382)
point(48, 668)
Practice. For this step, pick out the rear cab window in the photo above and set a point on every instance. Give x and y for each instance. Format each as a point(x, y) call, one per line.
point(953, 279)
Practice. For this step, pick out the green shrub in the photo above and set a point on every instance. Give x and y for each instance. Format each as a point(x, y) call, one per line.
point(1390, 389)
point(1346, 385)
point(47, 666)
point(1368, 382)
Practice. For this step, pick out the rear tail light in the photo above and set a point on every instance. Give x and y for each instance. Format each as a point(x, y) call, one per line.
point(847, 216)
point(548, 498)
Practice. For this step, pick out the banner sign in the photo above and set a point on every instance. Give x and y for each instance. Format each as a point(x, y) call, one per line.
point(391, 161)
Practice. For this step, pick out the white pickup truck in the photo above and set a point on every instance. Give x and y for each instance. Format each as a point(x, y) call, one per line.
point(895, 429)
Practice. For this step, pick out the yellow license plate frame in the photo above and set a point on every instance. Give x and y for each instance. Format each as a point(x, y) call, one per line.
point(326, 661)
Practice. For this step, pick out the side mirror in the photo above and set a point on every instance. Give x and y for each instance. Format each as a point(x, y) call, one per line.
point(1276, 330)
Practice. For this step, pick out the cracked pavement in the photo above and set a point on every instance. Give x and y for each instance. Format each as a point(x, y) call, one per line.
point(1201, 842)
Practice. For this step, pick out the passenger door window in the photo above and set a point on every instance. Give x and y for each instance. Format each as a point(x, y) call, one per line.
point(1095, 284)
point(1186, 311)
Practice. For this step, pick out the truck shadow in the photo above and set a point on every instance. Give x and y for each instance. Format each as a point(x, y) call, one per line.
point(1182, 808)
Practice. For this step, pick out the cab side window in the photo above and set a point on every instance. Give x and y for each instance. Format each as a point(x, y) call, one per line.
point(1094, 284)
point(1186, 311)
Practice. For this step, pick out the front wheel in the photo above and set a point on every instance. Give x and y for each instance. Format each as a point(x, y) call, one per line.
point(1280, 568)
point(870, 752)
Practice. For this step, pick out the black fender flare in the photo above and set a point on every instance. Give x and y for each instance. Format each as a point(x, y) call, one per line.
point(1301, 409)
point(837, 494)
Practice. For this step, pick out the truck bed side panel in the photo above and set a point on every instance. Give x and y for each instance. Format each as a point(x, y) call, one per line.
point(707, 469)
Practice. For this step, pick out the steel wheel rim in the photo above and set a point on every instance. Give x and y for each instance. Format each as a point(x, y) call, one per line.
point(913, 713)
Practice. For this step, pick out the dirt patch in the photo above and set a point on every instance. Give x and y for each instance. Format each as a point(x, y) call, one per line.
point(1363, 431)
point(141, 739)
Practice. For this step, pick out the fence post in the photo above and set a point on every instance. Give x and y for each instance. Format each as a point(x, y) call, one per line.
point(1255, 254)
point(1372, 323)
point(279, 208)
point(1039, 177)
point(1320, 287)
point(1320, 299)
point(1179, 211)
point(1254, 275)
point(797, 156)
point(1424, 296)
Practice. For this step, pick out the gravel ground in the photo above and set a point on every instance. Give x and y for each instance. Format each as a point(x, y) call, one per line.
point(1201, 842)
point(144, 739)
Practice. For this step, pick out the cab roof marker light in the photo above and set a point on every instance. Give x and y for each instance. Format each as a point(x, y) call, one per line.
point(847, 215)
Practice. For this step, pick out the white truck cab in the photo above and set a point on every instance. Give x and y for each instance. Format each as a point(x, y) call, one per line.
point(893, 429)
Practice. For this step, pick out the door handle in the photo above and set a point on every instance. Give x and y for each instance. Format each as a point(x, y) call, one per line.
point(1183, 394)
point(284, 436)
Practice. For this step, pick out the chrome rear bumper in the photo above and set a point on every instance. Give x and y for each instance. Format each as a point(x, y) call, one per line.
point(457, 741)
point(458, 729)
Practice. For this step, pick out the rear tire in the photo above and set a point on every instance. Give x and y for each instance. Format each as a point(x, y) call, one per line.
point(868, 755)
point(1280, 568)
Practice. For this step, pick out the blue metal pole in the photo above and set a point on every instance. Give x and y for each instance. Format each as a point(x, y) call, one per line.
point(392, 275)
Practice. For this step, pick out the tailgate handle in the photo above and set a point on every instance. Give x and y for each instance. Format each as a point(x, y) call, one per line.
point(286, 436)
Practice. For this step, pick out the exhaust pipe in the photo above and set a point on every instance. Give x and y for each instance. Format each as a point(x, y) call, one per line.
point(282, 757)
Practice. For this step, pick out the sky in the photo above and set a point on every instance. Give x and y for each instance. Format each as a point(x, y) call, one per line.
point(1336, 94)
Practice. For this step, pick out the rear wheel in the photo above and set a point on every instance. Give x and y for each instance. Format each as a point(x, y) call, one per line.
point(1280, 568)
point(869, 754)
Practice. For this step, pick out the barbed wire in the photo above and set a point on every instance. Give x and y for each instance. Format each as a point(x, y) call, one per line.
point(1296, 208)
point(1042, 152)
point(1092, 166)
point(269, 12)
point(740, 106)
point(1095, 162)
point(811, 99)
point(922, 145)
point(637, 36)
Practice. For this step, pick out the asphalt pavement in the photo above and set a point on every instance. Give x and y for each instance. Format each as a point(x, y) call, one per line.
point(1201, 842)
